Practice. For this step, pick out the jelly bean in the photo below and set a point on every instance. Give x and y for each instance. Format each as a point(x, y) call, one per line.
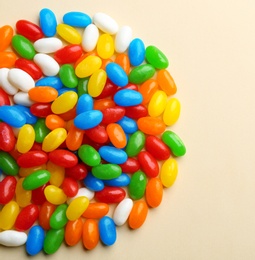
point(38, 196)
point(105, 62)
point(82, 192)
point(104, 103)
point(35, 239)
point(30, 118)
point(135, 143)
point(106, 171)
point(96, 210)
point(41, 109)
point(151, 125)
point(172, 111)
point(48, 22)
point(97, 134)
point(112, 114)
point(69, 99)
point(7, 59)
point(77, 172)
point(77, 207)
point(32, 158)
point(88, 119)
point(47, 64)
point(26, 217)
point(82, 87)
point(112, 154)
point(6, 33)
point(140, 74)
point(116, 135)
point(90, 234)
point(46, 211)
point(154, 192)
point(128, 125)
point(67, 76)
point(137, 185)
point(69, 33)
point(110, 195)
point(7, 138)
point(122, 211)
point(136, 52)
point(148, 164)
point(54, 139)
point(166, 82)
point(57, 173)
point(90, 38)
point(96, 83)
point(70, 187)
point(29, 30)
point(12, 238)
point(36, 179)
point(30, 67)
point(68, 54)
point(157, 103)
point(168, 172)
point(66, 89)
point(41, 130)
point(130, 166)
point(174, 142)
point(55, 195)
point(137, 111)
point(48, 45)
point(58, 219)
point(73, 231)
point(23, 47)
point(123, 60)
point(22, 98)
point(5, 84)
point(127, 97)
point(138, 214)
point(77, 19)
point(156, 57)
point(23, 197)
point(74, 138)
point(109, 89)
point(89, 155)
point(105, 46)
point(54, 121)
point(43, 94)
point(24, 172)
point(105, 23)
point(88, 66)
point(116, 74)
point(26, 138)
point(4, 98)
point(93, 183)
point(63, 158)
point(8, 164)
point(51, 81)
point(8, 215)
point(121, 181)
point(123, 39)
point(53, 240)
point(107, 231)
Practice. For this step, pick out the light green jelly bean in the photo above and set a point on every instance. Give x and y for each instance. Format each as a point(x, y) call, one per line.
point(137, 185)
point(156, 57)
point(41, 130)
point(89, 155)
point(174, 142)
point(8, 164)
point(53, 240)
point(36, 180)
point(141, 73)
point(82, 87)
point(106, 171)
point(67, 76)
point(23, 47)
point(58, 219)
point(135, 143)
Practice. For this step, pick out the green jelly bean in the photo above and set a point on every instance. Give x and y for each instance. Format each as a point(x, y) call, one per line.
point(41, 130)
point(82, 86)
point(53, 240)
point(36, 180)
point(137, 185)
point(89, 155)
point(156, 57)
point(106, 171)
point(58, 219)
point(23, 47)
point(8, 164)
point(141, 73)
point(67, 76)
point(174, 142)
point(135, 143)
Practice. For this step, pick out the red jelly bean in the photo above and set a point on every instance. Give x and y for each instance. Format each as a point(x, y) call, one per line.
point(4, 98)
point(157, 148)
point(41, 109)
point(32, 159)
point(7, 138)
point(148, 164)
point(63, 158)
point(129, 86)
point(130, 166)
point(112, 114)
point(97, 134)
point(68, 54)
point(136, 112)
point(109, 90)
point(30, 67)
point(7, 189)
point(38, 196)
point(29, 30)
point(27, 217)
point(45, 213)
point(78, 172)
point(110, 195)
point(70, 187)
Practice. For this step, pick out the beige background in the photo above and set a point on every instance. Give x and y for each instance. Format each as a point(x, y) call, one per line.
point(209, 212)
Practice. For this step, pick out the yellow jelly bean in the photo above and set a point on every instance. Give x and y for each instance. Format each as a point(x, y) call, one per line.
point(64, 102)
point(23, 197)
point(8, 215)
point(88, 66)
point(54, 139)
point(96, 83)
point(57, 173)
point(77, 207)
point(55, 195)
point(169, 171)
point(157, 103)
point(172, 111)
point(24, 172)
point(105, 46)
point(26, 138)
point(69, 34)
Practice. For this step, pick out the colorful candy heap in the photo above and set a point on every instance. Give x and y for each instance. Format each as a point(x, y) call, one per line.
point(84, 119)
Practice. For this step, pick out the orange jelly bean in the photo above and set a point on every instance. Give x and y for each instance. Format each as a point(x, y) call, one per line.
point(90, 235)
point(46, 211)
point(154, 192)
point(74, 138)
point(54, 121)
point(104, 103)
point(43, 94)
point(138, 214)
point(105, 62)
point(96, 210)
point(7, 59)
point(116, 135)
point(6, 33)
point(151, 125)
point(147, 89)
point(73, 231)
point(166, 82)
point(123, 60)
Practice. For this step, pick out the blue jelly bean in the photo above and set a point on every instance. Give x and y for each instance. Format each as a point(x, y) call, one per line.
point(127, 98)
point(77, 19)
point(136, 52)
point(12, 116)
point(30, 118)
point(93, 183)
point(128, 125)
point(65, 89)
point(116, 74)
point(35, 239)
point(121, 181)
point(85, 103)
point(48, 22)
point(88, 119)
point(107, 231)
point(113, 154)
point(51, 81)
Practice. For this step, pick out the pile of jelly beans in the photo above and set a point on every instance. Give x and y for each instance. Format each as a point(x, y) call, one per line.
point(85, 145)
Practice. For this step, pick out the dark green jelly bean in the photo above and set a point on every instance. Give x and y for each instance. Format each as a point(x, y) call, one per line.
point(8, 164)
point(67, 76)
point(41, 130)
point(58, 219)
point(174, 142)
point(23, 47)
point(53, 240)
point(156, 57)
point(135, 143)
point(106, 171)
point(137, 185)
point(89, 155)
point(141, 73)
point(36, 180)
point(82, 87)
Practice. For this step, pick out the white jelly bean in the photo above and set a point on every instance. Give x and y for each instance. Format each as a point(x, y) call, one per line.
point(22, 98)
point(123, 39)
point(89, 38)
point(122, 211)
point(105, 23)
point(12, 238)
point(5, 83)
point(48, 45)
point(47, 64)
point(82, 192)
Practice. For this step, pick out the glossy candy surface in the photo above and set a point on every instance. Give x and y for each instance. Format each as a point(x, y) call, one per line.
point(107, 231)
